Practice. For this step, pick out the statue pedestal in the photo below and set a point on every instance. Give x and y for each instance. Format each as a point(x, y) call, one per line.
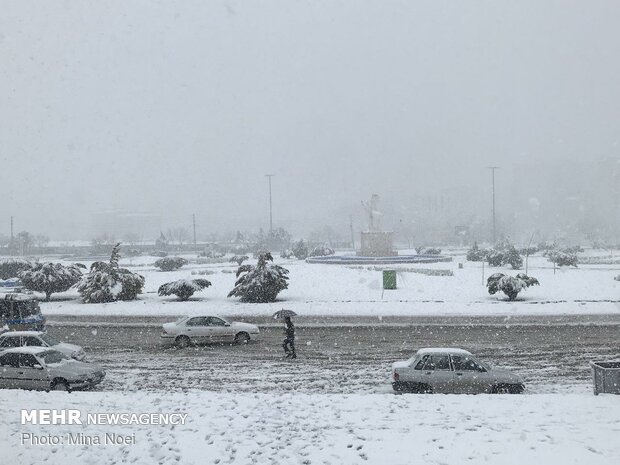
point(377, 244)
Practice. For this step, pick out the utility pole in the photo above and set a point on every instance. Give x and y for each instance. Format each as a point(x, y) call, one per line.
point(493, 168)
point(270, 205)
point(11, 229)
point(194, 224)
point(352, 234)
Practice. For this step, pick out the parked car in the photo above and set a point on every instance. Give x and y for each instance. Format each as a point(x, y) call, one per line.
point(452, 371)
point(39, 339)
point(46, 369)
point(20, 312)
point(205, 329)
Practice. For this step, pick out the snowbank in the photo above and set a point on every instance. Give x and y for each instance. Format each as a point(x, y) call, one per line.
point(327, 429)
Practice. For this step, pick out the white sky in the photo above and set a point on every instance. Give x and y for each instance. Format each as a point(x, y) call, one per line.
point(183, 106)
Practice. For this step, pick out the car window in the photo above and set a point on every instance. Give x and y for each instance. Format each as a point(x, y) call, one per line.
point(27, 360)
point(49, 340)
point(465, 363)
point(5, 309)
point(421, 363)
point(53, 356)
point(31, 341)
point(198, 321)
point(214, 321)
point(11, 360)
point(437, 362)
point(9, 341)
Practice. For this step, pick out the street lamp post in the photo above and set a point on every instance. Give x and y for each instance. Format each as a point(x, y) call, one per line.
point(270, 205)
point(493, 168)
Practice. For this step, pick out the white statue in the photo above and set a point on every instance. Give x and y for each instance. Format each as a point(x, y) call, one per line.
point(374, 215)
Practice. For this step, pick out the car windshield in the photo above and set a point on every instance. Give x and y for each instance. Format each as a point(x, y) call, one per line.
point(49, 340)
point(51, 357)
point(181, 320)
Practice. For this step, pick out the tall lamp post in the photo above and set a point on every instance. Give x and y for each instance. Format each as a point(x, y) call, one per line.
point(270, 205)
point(493, 168)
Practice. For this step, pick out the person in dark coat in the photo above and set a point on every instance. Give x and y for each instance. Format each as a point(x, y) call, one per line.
point(289, 342)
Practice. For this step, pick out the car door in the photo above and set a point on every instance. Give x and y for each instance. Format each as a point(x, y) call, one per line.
point(31, 373)
point(437, 373)
point(9, 371)
point(220, 330)
point(470, 376)
point(198, 329)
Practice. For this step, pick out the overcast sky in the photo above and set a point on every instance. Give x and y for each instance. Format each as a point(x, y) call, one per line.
point(178, 107)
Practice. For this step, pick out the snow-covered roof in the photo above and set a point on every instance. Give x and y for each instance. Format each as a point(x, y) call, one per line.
point(442, 350)
point(27, 350)
point(22, 333)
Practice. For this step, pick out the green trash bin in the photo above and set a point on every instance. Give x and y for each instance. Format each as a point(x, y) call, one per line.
point(389, 279)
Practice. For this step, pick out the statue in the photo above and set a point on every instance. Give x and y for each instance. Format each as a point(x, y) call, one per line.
point(374, 215)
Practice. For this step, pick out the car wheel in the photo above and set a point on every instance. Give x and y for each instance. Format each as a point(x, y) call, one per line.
point(242, 338)
point(182, 342)
point(508, 389)
point(60, 385)
point(423, 389)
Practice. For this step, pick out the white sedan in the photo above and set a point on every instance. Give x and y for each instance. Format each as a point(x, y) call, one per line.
point(453, 371)
point(39, 339)
point(205, 329)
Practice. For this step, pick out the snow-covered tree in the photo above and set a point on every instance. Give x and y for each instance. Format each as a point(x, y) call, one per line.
point(107, 282)
point(238, 259)
point(183, 288)
point(300, 250)
point(170, 263)
point(12, 267)
point(512, 258)
point(562, 258)
point(509, 285)
point(287, 253)
point(50, 277)
point(321, 251)
point(260, 283)
point(476, 254)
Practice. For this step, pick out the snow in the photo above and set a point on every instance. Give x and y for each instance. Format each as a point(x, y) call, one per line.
point(318, 289)
point(246, 428)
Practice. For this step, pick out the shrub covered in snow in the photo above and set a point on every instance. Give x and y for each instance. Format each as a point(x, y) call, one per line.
point(321, 251)
point(12, 267)
point(427, 250)
point(476, 254)
point(260, 283)
point(512, 258)
point(617, 278)
point(562, 257)
point(50, 277)
point(183, 288)
point(300, 250)
point(509, 285)
point(287, 254)
point(170, 263)
point(107, 282)
point(238, 259)
point(495, 258)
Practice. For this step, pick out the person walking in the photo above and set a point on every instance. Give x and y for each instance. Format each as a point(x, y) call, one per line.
point(289, 342)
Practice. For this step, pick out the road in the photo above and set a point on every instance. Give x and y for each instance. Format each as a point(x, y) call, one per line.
point(342, 355)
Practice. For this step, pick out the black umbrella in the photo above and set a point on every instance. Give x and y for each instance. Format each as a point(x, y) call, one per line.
point(284, 313)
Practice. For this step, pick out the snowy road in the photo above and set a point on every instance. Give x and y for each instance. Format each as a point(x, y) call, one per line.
point(344, 355)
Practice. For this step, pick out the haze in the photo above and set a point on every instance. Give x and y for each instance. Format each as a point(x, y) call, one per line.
point(181, 107)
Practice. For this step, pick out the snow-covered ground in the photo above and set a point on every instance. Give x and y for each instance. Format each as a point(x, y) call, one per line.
point(317, 289)
point(326, 429)
point(557, 424)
